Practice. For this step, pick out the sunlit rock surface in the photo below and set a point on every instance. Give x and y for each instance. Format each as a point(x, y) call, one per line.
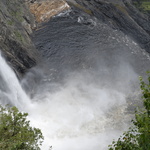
point(44, 10)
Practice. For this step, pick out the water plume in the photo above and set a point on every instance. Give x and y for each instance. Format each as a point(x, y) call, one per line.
point(87, 110)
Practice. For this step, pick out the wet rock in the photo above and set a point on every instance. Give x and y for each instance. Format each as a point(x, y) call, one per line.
point(120, 15)
point(17, 23)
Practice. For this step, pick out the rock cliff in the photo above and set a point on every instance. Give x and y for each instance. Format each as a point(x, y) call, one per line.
point(18, 18)
point(16, 25)
point(120, 15)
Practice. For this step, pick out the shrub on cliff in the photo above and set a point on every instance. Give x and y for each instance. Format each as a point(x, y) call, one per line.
point(143, 5)
point(16, 132)
point(138, 137)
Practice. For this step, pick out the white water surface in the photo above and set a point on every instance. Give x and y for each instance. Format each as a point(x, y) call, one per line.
point(85, 112)
point(87, 108)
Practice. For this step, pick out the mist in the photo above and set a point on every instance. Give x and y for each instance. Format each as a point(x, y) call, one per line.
point(80, 94)
point(86, 110)
point(82, 109)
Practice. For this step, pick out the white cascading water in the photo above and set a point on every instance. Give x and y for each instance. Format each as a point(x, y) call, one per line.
point(13, 91)
point(80, 114)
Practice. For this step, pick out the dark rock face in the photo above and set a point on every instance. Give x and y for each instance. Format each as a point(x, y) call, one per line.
point(18, 56)
point(16, 25)
point(121, 15)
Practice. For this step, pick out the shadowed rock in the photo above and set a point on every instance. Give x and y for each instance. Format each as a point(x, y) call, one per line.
point(16, 25)
point(120, 15)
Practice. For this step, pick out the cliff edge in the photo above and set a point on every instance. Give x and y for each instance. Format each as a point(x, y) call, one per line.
point(16, 24)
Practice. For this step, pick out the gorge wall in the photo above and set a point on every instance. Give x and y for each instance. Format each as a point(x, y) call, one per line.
point(120, 15)
point(16, 25)
point(19, 18)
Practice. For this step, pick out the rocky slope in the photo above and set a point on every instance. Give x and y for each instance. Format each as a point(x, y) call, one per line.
point(120, 15)
point(18, 18)
point(17, 23)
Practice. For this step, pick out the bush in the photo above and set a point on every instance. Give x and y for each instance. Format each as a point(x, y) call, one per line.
point(16, 132)
point(138, 136)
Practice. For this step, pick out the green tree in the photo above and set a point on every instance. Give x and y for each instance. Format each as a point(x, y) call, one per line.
point(16, 132)
point(138, 136)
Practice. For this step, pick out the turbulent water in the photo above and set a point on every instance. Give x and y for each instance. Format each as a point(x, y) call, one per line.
point(79, 95)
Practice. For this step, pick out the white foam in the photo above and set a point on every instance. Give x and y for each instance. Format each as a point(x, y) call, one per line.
point(79, 114)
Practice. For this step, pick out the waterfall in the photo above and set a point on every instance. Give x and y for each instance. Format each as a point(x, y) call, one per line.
point(88, 106)
point(81, 113)
point(78, 115)
point(11, 91)
point(81, 93)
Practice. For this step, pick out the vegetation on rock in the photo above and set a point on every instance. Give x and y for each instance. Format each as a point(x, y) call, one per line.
point(143, 5)
point(138, 136)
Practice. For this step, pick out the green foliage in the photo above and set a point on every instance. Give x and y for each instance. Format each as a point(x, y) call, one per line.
point(18, 36)
point(82, 8)
point(143, 5)
point(10, 22)
point(16, 132)
point(17, 15)
point(138, 137)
